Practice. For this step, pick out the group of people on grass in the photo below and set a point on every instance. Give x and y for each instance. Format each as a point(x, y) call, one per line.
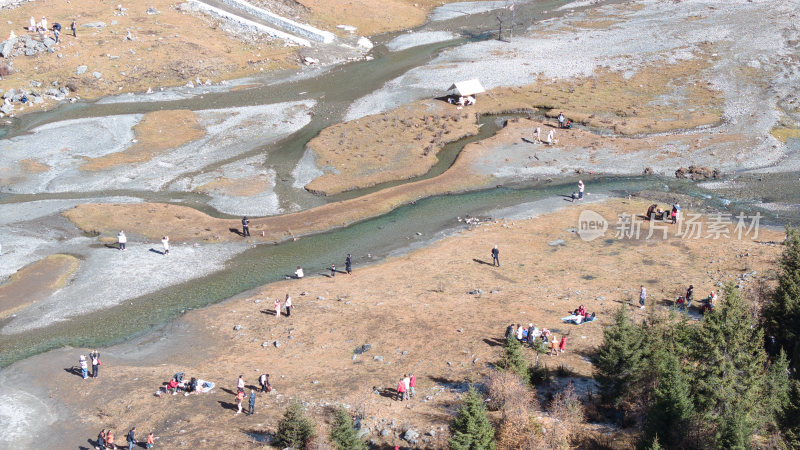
point(533, 336)
point(406, 388)
point(107, 440)
point(684, 302)
point(264, 385)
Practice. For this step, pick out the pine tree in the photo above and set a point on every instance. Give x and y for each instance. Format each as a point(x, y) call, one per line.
point(777, 390)
point(618, 362)
point(343, 435)
point(672, 407)
point(513, 359)
point(471, 429)
point(790, 419)
point(656, 445)
point(730, 372)
point(782, 315)
point(294, 429)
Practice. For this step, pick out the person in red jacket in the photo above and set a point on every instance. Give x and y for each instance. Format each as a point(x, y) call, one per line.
point(401, 390)
point(172, 386)
point(413, 384)
point(563, 344)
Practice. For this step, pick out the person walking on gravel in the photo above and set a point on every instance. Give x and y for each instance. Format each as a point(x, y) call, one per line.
point(348, 264)
point(122, 239)
point(495, 256)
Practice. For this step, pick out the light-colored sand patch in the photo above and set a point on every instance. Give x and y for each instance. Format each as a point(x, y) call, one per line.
point(157, 132)
point(459, 9)
point(237, 187)
point(397, 145)
point(33, 166)
point(409, 40)
point(35, 282)
point(596, 24)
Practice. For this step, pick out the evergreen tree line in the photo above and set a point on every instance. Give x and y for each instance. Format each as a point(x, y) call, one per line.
point(297, 431)
point(718, 384)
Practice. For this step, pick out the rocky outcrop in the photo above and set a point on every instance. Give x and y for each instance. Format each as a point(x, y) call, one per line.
point(697, 173)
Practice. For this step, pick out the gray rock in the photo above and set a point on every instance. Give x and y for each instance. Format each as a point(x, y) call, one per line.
point(475, 292)
point(114, 22)
point(152, 11)
point(237, 327)
point(265, 344)
point(377, 358)
point(64, 90)
point(320, 298)
point(404, 352)
point(97, 75)
point(600, 298)
point(113, 57)
point(432, 432)
point(556, 243)
point(6, 47)
point(6, 108)
point(386, 432)
point(37, 99)
point(30, 51)
point(9, 93)
point(411, 435)
point(94, 25)
point(81, 70)
point(315, 382)
point(48, 42)
point(363, 432)
point(277, 344)
point(53, 92)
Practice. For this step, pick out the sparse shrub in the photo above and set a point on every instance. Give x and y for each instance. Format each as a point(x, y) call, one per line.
point(5, 70)
point(538, 374)
point(567, 412)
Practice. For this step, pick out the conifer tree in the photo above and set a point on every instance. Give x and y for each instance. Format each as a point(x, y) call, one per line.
point(294, 429)
point(672, 407)
point(343, 435)
point(618, 362)
point(790, 419)
point(513, 359)
point(782, 315)
point(777, 390)
point(471, 429)
point(730, 372)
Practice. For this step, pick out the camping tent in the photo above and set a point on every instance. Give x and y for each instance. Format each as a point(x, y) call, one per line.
point(469, 87)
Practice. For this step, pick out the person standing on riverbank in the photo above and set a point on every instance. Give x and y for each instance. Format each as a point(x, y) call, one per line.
point(495, 256)
point(333, 270)
point(288, 304)
point(299, 273)
point(122, 240)
point(581, 188)
point(537, 133)
point(131, 438)
point(95, 357)
point(84, 366)
point(561, 119)
point(245, 226)
point(642, 297)
point(348, 264)
point(165, 243)
point(551, 137)
point(277, 308)
point(74, 29)
point(252, 404)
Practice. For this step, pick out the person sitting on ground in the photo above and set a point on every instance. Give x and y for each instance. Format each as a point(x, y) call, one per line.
point(193, 385)
point(569, 124)
point(470, 100)
point(582, 310)
point(651, 210)
point(172, 386)
point(520, 330)
point(680, 302)
point(299, 273)
point(509, 331)
point(150, 440)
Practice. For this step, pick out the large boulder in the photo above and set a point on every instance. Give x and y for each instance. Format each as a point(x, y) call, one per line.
point(6, 47)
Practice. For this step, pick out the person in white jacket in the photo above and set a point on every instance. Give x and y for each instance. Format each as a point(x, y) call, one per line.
point(122, 239)
point(165, 243)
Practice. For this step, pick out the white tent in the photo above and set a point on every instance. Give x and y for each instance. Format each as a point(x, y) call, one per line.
point(469, 87)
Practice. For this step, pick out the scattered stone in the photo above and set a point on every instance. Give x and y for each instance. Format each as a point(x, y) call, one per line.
point(309, 60)
point(36, 84)
point(494, 291)
point(6, 47)
point(432, 432)
point(364, 43)
point(460, 330)
point(81, 70)
point(48, 42)
point(189, 85)
point(475, 361)
point(377, 358)
point(6, 108)
point(237, 327)
point(411, 435)
point(277, 344)
point(697, 173)
point(349, 28)
point(152, 11)
point(386, 432)
point(265, 344)
point(556, 243)
point(418, 233)
point(320, 297)
point(404, 352)
point(475, 292)
point(94, 25)
point(315, 382)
